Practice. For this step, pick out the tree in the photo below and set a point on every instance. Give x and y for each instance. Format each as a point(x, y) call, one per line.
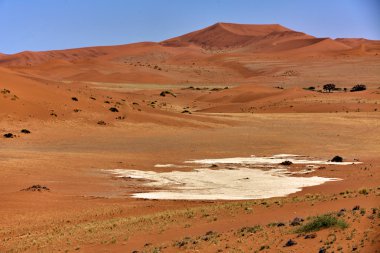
point(358, 87)
point(329, 87)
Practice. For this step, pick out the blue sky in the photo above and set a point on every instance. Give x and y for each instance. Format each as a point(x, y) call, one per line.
point(58, 24)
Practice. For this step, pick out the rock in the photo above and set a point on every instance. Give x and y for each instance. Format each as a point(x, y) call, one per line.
point(355, 208)
point(337, 159)
point(310, 236)
point(25, 131)
point(74, 99)
point(341, 212)
point(290, 243)
point(322, 250)
point(280, 224)
point(102, 123)
point(8, 135)
point(296, 221)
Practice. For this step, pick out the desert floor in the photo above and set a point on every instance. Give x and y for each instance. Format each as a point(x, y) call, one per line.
point(89, 210)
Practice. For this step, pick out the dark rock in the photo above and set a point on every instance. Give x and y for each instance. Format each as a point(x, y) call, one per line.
point(290, 243)
point(322, 250)
point(341, 212)
point(355, 208)
point(296, 221)
point(8, 135)
point(102, 123)
point(25, 131)
point(74, 99)
point(337, 159)
point(280, 224)
point(310, 236)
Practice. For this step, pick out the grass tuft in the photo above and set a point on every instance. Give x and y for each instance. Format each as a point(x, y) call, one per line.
point(321, 222)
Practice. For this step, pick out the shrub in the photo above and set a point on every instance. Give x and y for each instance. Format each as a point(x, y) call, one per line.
point(337, 159)
point(166, 92)
point(329, 87)
point(8, 135)
point(358, 87)
point(114, 109)
point(321, 222)
point(286, 163)
point(249, 230)
point(25, 131)
point(5, 91)
point(363, 191)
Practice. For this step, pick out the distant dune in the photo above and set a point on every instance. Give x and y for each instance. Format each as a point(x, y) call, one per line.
point(221, 54)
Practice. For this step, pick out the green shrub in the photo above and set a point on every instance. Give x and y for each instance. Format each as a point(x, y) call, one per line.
point(321, 222)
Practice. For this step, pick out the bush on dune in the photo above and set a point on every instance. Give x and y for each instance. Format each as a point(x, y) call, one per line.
point(358, 87)
point(321, 222)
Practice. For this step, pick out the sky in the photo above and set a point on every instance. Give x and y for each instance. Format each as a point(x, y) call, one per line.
point(39, 25)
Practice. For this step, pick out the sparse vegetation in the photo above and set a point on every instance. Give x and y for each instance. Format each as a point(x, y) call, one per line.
point(321, 222)
point(329, 87)
point(37, 188)
point(358, 87)
point(363, 191)
point(249, 230)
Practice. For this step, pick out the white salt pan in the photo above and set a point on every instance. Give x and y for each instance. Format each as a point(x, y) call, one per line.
point(276, 159)
point(228, 184)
